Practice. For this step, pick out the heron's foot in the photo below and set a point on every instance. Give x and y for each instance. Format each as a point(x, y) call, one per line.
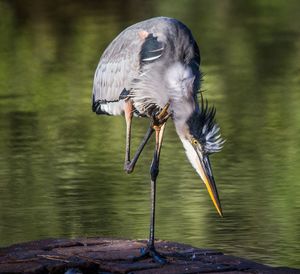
point(128, 167)
point(150, 252)
point(161, 117)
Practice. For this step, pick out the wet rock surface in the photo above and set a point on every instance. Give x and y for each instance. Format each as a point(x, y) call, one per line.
point(104, 255)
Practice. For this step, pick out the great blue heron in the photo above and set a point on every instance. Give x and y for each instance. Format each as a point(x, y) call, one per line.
point(151, 69)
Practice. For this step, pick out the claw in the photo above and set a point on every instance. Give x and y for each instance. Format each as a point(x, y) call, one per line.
point(143, 250)
point(158, 257)
point(161, 118)
point(164, 112)
point(150, 252)
point(165, 118)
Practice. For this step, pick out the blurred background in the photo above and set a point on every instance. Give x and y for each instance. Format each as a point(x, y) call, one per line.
point(61, 166)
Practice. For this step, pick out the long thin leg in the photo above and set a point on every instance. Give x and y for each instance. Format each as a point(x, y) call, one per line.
point(128, 109)
point(150, 251)
point(154, 170)
point(130, 164)
point(157, 122)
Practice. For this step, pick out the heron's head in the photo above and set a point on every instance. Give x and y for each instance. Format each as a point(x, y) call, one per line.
point(200, 137)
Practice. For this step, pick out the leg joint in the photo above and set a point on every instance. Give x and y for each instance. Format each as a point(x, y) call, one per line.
point(128, 167)
point(154, 170)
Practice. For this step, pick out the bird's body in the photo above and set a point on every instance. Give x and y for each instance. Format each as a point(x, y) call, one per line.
point(127, 66)
point(151, 69)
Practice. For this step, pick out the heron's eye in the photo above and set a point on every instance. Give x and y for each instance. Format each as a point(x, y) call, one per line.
point(194, 142)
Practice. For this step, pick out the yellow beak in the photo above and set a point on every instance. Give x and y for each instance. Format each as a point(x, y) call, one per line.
point(204, 169)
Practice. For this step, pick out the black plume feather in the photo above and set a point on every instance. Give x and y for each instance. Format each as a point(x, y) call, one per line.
point(204, 128)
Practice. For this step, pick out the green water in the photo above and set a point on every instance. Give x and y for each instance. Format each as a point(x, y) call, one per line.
point(61, 166)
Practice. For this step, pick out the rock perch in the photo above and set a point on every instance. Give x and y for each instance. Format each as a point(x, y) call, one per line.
point(104, 255)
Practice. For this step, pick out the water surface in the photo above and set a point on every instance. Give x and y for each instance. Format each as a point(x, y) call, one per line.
point(61, 166)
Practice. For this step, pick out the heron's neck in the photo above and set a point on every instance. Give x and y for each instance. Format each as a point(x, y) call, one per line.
point(181, 113)
point(180, 84)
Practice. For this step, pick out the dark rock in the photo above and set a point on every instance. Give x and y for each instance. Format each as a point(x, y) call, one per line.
point(105, 256)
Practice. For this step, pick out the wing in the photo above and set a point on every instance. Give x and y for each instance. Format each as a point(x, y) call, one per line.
point(134, 65)
point(118, 66)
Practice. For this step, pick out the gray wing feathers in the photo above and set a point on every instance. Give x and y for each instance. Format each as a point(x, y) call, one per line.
point(138, 65)
point(118, 65)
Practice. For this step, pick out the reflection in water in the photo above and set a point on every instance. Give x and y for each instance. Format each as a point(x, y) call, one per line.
point(61, 166)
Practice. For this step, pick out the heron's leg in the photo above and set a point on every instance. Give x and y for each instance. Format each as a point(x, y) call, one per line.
point(157, 121)
point(130, 164)
point(154, 170)
point(128, 110)
point(150, 251)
